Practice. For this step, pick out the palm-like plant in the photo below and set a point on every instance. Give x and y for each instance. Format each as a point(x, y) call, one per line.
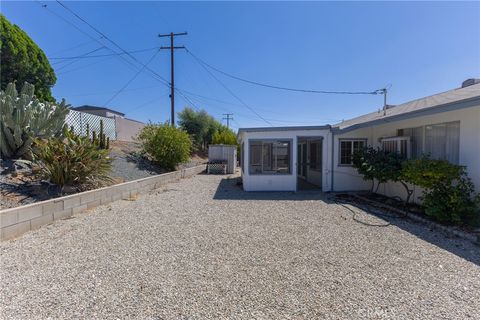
point(74, 161)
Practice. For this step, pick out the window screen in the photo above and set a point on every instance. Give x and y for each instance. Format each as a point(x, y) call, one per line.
point(315, 156)
point(270, 157)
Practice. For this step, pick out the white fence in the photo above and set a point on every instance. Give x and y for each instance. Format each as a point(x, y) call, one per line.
point(79, 120)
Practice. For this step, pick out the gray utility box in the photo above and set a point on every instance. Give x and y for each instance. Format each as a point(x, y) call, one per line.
point(222, 158)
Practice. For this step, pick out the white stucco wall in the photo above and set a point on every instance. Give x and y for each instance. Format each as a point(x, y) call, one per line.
point(346, 178)
point(284, 182)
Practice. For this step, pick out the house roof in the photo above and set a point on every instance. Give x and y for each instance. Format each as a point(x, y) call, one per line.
point(87, 108)
point(270, 129)
point(445, 101)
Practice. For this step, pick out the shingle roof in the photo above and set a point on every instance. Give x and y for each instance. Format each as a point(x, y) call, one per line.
point(424, 104)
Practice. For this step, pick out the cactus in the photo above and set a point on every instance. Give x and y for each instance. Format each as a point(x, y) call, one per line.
point(101, 136)
point(94, 136)
point(88, 130)
point(24, 118)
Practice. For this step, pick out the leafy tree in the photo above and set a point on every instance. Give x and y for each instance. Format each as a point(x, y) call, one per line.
point(166, 145)
point(225, 136)
point(23, 61)
point(383, 166)
point(200, 126)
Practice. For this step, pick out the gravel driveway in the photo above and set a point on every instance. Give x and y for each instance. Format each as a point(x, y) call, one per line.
point(202, 249)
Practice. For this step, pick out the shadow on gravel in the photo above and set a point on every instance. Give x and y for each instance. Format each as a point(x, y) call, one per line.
point(229, 189)
point(458, 246)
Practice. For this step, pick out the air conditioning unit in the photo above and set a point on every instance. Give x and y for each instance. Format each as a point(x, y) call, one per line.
point(400, 145)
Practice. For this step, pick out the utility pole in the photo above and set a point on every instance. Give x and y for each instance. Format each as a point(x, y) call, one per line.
point(228, 118)
point(384, 92)
point(172, 77)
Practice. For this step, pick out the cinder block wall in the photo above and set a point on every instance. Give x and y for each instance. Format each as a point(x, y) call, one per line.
point(16, 221)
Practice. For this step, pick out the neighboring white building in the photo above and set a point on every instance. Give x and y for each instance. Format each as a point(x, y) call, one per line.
point(445, 125)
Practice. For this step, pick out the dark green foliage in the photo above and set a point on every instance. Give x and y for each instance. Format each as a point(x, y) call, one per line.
point(382, 166)
point(23, 61)
point(24, 118)
point(448, 194)
point(74, 161)
point(200, 126)
point(166, 145)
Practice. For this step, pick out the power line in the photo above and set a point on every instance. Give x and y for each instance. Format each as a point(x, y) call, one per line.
point(83, 55)
point(110, 92)
point(101, 55)
point(187, 100)
point(74, 47)
point(159, 77)
point(144, 104)
point(85, 33)
point(233, 94)
point(82, 67)
point(375, 92)
point(131, 79)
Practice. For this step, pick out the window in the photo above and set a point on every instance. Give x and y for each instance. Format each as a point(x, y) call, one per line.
point(442, 141)
point(348, 148)
point(416, 140)
point(315, 156)
point(400, 145)
point(269, 157)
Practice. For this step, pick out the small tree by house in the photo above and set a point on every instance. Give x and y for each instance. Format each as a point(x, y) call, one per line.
point(375, 164)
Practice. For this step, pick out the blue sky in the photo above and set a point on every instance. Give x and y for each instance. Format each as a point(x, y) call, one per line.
point(417, 48)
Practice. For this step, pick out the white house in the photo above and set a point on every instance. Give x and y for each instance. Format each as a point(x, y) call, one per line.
point(445, 125)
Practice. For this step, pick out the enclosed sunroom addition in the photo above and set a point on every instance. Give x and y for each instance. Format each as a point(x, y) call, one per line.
point(284, 158)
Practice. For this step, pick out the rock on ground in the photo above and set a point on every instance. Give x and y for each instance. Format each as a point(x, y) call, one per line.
point(203, 249)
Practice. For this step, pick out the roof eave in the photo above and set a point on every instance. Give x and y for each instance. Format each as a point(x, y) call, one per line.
point(466, 103)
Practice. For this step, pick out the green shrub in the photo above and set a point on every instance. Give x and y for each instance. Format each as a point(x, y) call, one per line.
point(24, 118)
point(448, 194)
point(383, 166)
point(165, 145)
point(73, 161)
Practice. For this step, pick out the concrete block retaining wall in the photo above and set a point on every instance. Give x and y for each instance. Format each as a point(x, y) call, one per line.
point(16, 221)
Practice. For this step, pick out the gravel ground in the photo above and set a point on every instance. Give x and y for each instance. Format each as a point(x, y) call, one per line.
point(127, 165)
point(202, 249)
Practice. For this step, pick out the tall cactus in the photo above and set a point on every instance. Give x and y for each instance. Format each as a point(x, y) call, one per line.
point(101, 136)
point(23, 117)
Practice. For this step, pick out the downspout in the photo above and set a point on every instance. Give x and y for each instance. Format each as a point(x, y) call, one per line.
point(333, 159)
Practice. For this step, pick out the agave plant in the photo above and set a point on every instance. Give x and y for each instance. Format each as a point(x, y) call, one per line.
point(24, 118)
point(74, 161)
